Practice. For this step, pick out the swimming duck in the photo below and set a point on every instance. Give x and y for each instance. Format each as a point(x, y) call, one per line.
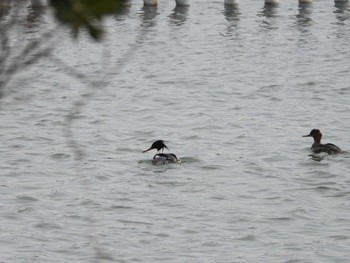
point(162, 158)
point(318, 147)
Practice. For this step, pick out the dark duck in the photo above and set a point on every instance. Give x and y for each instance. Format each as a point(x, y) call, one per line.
point(318, 147)
point(162, 158)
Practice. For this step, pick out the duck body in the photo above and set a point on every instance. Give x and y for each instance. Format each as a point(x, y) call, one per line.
point(318, 147)
point(329, 148)
point(165, 158)
point(162, 158)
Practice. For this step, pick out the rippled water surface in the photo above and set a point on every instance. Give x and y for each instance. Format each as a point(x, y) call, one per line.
point(230, 90)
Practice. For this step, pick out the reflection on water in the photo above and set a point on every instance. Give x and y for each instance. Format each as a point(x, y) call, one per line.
point(35, 16)
point(149, 12)
point(4, 11)
point(122, 13)
point(342, 11)
point(126, 2)
point(304, 22)
point(179, 15)
point(147, 15)
point(342, 5)
point(5, 3)
point(269, 11)
point(232, 13)
point(304, 16)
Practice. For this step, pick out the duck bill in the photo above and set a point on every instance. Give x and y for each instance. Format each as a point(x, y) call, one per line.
point(306, 135)
point(150, 148)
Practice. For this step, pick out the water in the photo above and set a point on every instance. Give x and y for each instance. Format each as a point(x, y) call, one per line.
point(231, 92)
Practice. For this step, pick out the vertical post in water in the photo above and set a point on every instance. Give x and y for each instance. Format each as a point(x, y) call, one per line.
point(150, 2)
point(272, 2)
point(231, 2)
point(182, 2)
point(38, 3)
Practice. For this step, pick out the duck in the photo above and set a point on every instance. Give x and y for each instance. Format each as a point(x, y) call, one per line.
point(162, 158)
point(318, 147)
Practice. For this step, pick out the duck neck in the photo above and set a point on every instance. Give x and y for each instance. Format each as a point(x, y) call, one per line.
point(317, 139)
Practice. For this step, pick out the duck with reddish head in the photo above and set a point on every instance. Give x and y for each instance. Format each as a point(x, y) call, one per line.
point(318, 147)
point(162, 158)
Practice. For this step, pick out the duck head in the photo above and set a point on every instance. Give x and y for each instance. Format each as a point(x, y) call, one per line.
point(159, 145)
point(316, 134)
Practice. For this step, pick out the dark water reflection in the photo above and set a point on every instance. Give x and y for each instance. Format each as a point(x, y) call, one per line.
point(179, 15)
point(123, 13)
point(304, 18)
point(35, 16)
point(342, 11)
point(4, 11)
point(344, 6)
point(269, 13)
point(269, 10)
point(148, 13)
point(232, 13)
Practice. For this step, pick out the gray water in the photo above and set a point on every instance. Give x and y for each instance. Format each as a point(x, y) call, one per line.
point(230, 90)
